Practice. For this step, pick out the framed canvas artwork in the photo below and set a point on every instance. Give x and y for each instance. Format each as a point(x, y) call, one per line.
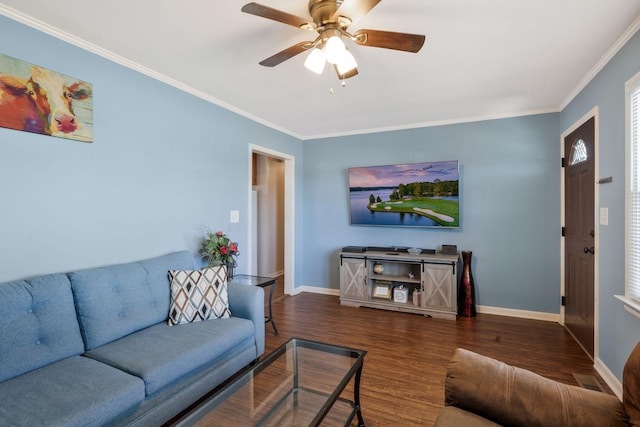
point(36, 99)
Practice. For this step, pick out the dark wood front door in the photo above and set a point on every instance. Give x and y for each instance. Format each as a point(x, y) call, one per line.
point(579, 234)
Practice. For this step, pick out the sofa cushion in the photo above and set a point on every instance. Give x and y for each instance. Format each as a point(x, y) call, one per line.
point(198, 295)
point(72, 392)
point(163, 354)
point(39, 324)
point(117, 300)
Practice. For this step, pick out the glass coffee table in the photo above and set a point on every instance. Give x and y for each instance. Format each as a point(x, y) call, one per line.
point(263, 282)
point(299, 384)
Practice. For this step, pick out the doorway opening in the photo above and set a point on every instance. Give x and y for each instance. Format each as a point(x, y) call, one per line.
point(271, 217)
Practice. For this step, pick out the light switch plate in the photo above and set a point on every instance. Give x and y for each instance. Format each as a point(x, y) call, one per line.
point(234, 217)
point(604, 216)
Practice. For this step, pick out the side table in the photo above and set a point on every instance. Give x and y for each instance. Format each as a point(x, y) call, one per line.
point(263, 282)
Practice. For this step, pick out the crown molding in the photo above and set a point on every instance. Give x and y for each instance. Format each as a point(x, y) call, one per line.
point(604, 60)
point(118, 59)
point(111, 56)
point(455, 121)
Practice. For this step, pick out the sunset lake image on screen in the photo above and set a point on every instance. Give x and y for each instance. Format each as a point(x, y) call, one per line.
point(407, 195)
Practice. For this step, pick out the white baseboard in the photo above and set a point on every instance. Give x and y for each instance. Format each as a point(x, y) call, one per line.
point(276, 274)
point(523, 314)
point(316, 290)
point(608, 377)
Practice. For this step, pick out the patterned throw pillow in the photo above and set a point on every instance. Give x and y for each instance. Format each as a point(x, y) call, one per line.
point(198, 295)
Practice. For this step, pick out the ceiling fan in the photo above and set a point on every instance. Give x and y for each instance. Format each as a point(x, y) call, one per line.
point(330, 19)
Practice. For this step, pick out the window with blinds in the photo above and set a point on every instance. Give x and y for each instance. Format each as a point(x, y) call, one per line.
point(633, 191)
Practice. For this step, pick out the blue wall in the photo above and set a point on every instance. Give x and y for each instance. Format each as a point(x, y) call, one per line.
point(164, 167)
point(619, 331)
point(509, 192)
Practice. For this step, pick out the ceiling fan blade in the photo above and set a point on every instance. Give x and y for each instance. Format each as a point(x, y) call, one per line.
point(288, 53)
point(277, 15)
point(347, 75)
point(355, 9)
point(390, 40)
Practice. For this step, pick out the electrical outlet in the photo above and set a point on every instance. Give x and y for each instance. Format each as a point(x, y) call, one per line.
point(234, 217)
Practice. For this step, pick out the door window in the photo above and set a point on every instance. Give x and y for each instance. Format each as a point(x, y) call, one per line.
point(578, 152)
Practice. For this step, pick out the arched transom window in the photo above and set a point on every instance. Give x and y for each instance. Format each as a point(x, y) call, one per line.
point(578, 152)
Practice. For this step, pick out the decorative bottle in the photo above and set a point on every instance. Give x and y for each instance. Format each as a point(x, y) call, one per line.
point(466, 290)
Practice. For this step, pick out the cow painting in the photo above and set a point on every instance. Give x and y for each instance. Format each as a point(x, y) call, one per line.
point(35, 99)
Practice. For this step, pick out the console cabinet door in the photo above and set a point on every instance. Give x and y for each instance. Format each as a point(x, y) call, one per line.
point(439, 287)
point(353, 284)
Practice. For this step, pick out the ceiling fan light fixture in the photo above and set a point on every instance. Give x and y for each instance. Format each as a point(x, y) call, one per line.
point(346, 63)
point(331, 19)
point(315, 61)
point(334, 49)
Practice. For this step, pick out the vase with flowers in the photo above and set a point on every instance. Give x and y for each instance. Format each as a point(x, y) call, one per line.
point(218, 250)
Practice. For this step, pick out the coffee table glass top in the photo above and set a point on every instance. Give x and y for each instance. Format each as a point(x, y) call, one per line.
point(299, 384)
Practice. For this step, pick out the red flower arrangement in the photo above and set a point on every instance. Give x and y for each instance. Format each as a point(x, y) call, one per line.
point(218, 249)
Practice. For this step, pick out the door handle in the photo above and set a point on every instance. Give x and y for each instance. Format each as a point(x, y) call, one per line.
point(590, 250)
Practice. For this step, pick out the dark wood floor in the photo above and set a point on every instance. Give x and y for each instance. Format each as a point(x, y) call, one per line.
point(404, 370)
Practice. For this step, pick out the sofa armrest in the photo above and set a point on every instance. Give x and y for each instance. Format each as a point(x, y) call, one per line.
point(512, 396)
point(248, 302)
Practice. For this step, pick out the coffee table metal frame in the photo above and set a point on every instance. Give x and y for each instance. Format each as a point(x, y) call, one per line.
point(355, 370)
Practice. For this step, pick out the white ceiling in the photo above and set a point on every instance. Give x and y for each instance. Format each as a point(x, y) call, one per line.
point(482, 59)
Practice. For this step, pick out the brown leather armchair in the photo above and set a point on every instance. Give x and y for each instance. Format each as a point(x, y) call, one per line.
point(484, 392)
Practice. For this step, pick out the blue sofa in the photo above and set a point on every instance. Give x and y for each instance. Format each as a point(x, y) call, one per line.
point(93, 347)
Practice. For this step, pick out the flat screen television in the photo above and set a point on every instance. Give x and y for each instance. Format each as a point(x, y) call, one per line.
point(406, 195)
